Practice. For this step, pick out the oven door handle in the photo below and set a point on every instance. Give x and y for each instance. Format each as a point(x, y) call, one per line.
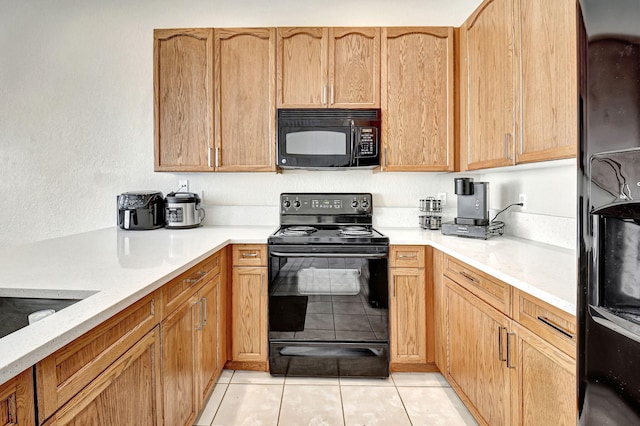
point(368, 255)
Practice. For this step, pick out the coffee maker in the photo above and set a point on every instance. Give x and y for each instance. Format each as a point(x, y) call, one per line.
point(473, 211)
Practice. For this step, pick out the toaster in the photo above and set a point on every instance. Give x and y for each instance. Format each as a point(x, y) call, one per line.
point(141, 210)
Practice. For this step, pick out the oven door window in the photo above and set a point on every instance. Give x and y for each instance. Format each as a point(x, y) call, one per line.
point(328, 299)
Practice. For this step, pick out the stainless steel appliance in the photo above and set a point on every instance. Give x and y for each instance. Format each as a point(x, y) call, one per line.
point(140, 210)
point(609, 213)
point(183, 210)
point(328, 138)
point(473, 211)
point(328, 288)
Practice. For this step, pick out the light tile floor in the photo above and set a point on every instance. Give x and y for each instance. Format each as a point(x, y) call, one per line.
point(255, 398)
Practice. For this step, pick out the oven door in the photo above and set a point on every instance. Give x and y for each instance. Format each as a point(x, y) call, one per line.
point(328, 311)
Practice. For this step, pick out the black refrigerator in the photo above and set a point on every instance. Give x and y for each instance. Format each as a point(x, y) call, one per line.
point(609, 213)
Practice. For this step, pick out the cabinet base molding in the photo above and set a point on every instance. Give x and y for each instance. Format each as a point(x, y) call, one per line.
point(413, 368)
point(247, 365)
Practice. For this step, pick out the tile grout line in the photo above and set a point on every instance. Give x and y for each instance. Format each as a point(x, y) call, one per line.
point(344, 418)
point(401, 400)
point(222, 399)
point(281, 400)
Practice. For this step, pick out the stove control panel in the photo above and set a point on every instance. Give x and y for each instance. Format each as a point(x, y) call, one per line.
point(325, 204)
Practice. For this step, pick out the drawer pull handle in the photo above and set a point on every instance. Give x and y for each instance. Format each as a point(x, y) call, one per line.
point(249, 254)
point(556, 327)
point(192, 280)
point(408, 256)
point(469, 277)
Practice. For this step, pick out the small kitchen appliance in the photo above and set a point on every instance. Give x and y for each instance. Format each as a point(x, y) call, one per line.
point(328, 288)
point(140, 210)
point(473, 211)
point(328, 139)
point(183, 210)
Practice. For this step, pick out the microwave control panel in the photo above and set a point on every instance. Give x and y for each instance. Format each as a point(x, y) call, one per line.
point(367, 142)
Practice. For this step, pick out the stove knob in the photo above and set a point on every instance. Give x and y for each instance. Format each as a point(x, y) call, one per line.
point(286, 204)
point(365, 204)
point(354, 204)
point(296, 204)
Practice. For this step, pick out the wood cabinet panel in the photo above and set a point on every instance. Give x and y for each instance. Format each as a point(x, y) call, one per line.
point(354, 68)
point(178, 346)
point(63, 374)
point(418, 99)
point(17, 406)
point(407, 312)
point(127, 390)
point(439, 311)
point(245, 99)
point(249, 316)
point(183, 99)
point(477, 354)
point(494, 292)
point(549, 322)
point(489, 87)
point(406, 256)
point(302, 67)
point(207, 365)
point(249, 255)
point(548, 52)
point(545, 386)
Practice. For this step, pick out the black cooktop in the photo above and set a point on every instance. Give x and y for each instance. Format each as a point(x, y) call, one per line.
point(327, 234)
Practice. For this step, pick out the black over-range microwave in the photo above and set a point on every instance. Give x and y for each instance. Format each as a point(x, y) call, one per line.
point(328, 138)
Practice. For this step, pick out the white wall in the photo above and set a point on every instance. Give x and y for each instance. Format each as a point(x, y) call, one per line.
point(76, 111)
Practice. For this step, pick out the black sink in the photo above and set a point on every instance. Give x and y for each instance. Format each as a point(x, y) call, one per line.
point(14, 311)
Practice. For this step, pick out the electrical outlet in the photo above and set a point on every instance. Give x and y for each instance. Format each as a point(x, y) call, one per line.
point(442, 196)
point(522, 198)
point(184, 185)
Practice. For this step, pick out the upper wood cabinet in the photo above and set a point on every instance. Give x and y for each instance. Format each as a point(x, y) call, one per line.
point(329, 67)
point(518, 85)
point(418, 99)
point(549, 99)
point(183, 99)
point(488, 87)
point(245, 99)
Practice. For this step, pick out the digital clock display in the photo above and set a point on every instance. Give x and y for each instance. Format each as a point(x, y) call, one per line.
point(326, 204)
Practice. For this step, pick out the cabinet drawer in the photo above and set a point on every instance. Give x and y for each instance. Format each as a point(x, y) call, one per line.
point(67, 371)
point(487, 288)
point(406, 256)
point(552, 324)
point(249, 255)
point(176, 291)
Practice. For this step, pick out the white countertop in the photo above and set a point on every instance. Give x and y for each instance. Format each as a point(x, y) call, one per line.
point(112, 268)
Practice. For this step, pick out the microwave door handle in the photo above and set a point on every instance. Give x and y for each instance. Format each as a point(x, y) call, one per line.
point(353, 141)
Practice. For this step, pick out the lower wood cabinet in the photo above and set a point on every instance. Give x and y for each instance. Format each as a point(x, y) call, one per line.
point(508, 355)
point(189, 354)
point(478, 366)
point(249, 318)
point(17, 406)
point(127, 392)
point(411, 309)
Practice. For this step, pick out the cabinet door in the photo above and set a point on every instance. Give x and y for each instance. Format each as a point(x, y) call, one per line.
point(477, 350)
point(245, 99)
point(302, 67)
point(408, 315)
point(354, 68)
point(488, 95)
point(418, 99)
point(183, 99)
point(549, 128)
point(546, 382)
point(249, 316)
point(178, 363)
point(126, 392)
point(17, 407)
point(207, 351)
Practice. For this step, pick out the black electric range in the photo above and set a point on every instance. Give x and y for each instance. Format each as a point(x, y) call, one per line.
point(328, 288)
